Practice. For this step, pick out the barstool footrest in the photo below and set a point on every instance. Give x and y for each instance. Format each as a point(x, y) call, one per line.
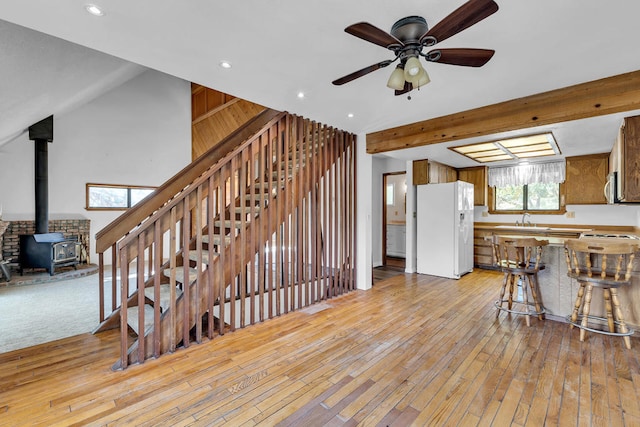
point(578, 324)
point(507, 309)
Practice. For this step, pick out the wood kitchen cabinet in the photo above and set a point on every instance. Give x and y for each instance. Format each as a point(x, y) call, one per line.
point(430, 172)
point(482, 249)
point(625, 160)
point(478, 177)
point(585, 179)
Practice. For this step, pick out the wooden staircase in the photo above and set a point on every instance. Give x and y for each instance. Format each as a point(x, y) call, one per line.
point(267, 229)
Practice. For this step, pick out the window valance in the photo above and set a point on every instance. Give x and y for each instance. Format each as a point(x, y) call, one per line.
point(546, 173)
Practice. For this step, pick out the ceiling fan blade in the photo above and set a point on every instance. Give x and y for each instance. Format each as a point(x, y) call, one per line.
point(360, 73)
point(373, 34)
point(466, 57)
point(462, 18)
point(408, 87)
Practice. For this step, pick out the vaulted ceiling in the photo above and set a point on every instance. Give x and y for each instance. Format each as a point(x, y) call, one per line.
point(279, 48)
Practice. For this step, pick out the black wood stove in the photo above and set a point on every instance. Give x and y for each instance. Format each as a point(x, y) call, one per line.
point(44, 249)
point(47, 250)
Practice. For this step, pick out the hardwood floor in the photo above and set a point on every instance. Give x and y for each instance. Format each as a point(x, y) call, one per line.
point(386, 272)
point(414, 350)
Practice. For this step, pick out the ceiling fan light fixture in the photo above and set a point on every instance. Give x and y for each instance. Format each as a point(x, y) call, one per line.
point(396, 79)
point(412, 68)
point(422, 80)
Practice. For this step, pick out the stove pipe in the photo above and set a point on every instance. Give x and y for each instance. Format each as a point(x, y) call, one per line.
point(42, 133)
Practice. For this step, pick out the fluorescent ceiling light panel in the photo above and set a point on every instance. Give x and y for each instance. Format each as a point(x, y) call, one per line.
point(538, 145)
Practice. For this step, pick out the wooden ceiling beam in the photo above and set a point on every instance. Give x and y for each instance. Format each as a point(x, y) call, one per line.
point(599, 97)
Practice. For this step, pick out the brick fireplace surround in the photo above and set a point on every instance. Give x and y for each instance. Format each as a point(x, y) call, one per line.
point(70, 228)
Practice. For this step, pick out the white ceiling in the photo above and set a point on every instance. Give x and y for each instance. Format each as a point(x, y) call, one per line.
point(281, 47)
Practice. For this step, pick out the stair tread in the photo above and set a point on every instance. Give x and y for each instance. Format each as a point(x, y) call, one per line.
point(132, 318)
point(193, 274)
point(229, 223)
point(247, 209)
point(216, 239)
point(193, 256)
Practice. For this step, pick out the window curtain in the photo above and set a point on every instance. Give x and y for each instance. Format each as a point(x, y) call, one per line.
point(546, 173)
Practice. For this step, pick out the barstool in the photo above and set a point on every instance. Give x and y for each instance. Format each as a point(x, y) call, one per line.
point(519, 260)
point(580, 255)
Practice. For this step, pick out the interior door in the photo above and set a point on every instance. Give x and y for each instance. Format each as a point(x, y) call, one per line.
point(394, 200)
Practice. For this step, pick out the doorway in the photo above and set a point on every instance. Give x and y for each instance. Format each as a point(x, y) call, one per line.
point(394, 219)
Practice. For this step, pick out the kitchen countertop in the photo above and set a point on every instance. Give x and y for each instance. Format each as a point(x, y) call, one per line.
point(556, 235)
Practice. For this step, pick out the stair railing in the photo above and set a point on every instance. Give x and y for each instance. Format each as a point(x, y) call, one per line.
point(268, 230)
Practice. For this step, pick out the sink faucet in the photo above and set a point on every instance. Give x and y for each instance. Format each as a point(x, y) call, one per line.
point(524, 215)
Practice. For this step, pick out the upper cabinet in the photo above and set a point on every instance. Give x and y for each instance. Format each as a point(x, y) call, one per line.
point(625, 159)
point(478, 177)
point(585, 179)
point(430, 172)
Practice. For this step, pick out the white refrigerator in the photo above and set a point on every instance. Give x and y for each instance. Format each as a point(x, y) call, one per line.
point(444, 220)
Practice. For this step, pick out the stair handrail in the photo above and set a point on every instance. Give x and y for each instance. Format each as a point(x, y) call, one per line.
point(134, 216)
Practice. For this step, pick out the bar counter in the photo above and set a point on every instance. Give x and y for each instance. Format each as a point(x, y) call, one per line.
point(559, 292)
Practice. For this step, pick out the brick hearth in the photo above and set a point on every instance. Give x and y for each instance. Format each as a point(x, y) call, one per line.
point(70, 228)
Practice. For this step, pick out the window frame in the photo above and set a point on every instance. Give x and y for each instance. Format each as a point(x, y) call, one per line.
point(127, 187)
point(560, 211)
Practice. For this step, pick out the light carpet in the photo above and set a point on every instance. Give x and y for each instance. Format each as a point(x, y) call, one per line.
point(44, 312)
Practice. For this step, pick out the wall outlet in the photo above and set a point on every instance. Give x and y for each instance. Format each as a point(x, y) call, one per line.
point(570, 214)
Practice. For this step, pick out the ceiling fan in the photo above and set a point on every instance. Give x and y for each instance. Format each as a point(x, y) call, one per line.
point(410, 35)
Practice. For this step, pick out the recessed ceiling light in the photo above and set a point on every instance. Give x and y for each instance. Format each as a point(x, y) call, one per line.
point(350, 115)
point(300, 95)
point(94, 10)
point(225, 64)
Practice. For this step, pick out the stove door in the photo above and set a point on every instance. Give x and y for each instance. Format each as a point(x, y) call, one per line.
point(64, 251)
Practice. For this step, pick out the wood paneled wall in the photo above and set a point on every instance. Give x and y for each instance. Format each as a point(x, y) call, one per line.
point(215, 115)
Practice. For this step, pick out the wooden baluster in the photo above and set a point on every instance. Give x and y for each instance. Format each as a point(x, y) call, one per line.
point(276, 196)
point(157, 259)
point(222, 256)
point(101, 289)
point(198, 286)
point(172, 278)
point(245, 185)
point(124, 296)
point(211, 284)
point(254, 177)
point(186, 288)
point(114, 276)
point(286, 194)
point(140, 264)
point(233, 194)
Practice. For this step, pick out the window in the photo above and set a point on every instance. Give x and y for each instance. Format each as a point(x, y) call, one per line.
point(530, 197)
point(390, 196)
point(115, 197)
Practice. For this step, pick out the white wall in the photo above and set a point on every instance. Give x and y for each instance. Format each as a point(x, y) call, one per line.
point(363, 220)
point(137, 134)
